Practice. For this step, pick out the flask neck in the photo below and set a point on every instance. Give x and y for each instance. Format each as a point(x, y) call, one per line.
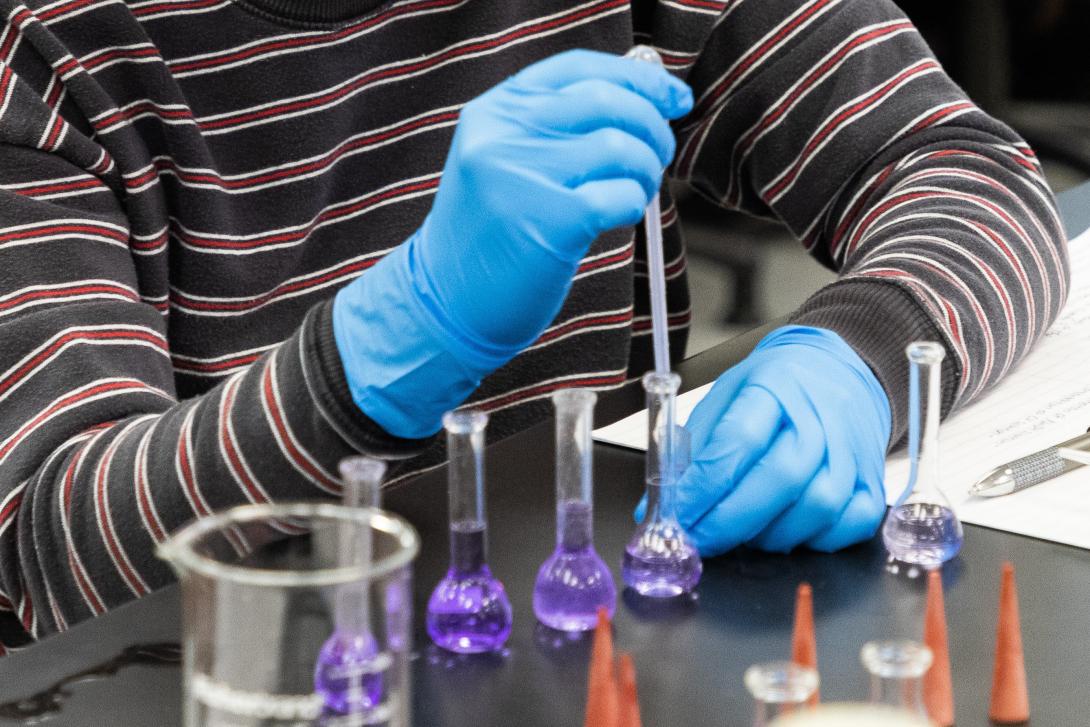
point(925, 395)
point(661, 500)
point(662, 441)
point(574, 526)
point(361, 478)
point(468, 524)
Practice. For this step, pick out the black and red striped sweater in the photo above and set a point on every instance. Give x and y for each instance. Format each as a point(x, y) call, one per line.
point(184, 184)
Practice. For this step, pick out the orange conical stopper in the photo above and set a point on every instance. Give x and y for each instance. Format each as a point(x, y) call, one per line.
point(803, 642)
point(938, 686)
point(1010, 700)
point(630, 703)
point(601, 682)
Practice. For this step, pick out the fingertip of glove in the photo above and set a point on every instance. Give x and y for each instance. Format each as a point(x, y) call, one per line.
point(681, 98)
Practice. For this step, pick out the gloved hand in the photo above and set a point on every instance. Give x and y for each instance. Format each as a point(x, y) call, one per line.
point(539, 166)
point(788, 448)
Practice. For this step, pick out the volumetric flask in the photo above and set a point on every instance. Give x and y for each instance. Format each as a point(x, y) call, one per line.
point(258, 606)
point(779, 687)
point(573, 582)
point(660, 560)
point(468, 611)
point(921, 529)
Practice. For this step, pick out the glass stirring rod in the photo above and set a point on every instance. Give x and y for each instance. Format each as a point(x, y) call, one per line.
point(347, 675)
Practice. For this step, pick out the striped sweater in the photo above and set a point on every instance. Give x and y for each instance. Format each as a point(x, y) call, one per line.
point(184, 184)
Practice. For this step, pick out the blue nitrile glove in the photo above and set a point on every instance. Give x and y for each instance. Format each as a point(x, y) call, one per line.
point(539, 166)
point(788, 449)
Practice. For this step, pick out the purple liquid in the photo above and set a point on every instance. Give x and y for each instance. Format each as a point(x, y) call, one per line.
point(922, 534)
point(348, 675)
point(660, 562)
point(468, 611)
point(573, 582)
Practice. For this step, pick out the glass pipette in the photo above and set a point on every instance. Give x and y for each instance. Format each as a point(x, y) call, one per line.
point(344, 674)
point(468, 611)
point(573, 582)
point(921, 529)
point(660, 559)
point(656, 268)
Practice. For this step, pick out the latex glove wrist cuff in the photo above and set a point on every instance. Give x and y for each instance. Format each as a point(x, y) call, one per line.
point(878, 319)
point(327, 383)
point(413, 369)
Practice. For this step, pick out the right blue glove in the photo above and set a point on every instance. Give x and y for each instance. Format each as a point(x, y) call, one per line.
point(788, 449)
point(540, 165)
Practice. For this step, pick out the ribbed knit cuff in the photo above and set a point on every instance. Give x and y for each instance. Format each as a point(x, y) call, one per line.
point(315, 11)
point(329, 388)
point(879, 319)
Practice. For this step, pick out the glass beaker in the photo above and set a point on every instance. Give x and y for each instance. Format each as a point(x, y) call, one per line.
point(847, 714)
point(921, 528)
point(258, 606)
point(896, 673)
point(778, 688)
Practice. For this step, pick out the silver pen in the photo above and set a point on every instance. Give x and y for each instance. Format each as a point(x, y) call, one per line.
point(1030, 470)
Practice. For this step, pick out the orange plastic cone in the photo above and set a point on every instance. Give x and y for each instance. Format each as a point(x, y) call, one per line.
point(601, 682)
point(630, 703)
point(938, 686)
point(803, 642)
point(1010, 699)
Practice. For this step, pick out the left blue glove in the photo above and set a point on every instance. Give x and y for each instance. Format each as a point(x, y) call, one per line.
point(788, 449)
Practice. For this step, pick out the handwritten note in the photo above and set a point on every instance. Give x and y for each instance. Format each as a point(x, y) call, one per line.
point(1043, 402)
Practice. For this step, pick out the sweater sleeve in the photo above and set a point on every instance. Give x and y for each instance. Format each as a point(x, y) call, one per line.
point(99, 460)
point(833, 117)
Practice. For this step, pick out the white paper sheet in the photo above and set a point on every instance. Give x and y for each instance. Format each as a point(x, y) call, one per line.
point(631, 431)
point(1045, 401)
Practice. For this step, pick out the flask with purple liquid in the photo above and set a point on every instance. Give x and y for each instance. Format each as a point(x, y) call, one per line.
point(573, 582)
point(348, 675)
point(660, 560)
point(468, 611)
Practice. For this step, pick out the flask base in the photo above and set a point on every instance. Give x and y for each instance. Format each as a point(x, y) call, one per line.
point(661, 577)
point(924, 535)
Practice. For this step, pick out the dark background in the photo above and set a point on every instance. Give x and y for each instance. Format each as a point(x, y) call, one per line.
point(1026, 62)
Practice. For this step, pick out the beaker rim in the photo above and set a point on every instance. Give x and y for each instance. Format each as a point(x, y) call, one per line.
point(178, 549)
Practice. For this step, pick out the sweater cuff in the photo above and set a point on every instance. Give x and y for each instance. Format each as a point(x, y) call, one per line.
point(879, 319)
point(329, 389)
